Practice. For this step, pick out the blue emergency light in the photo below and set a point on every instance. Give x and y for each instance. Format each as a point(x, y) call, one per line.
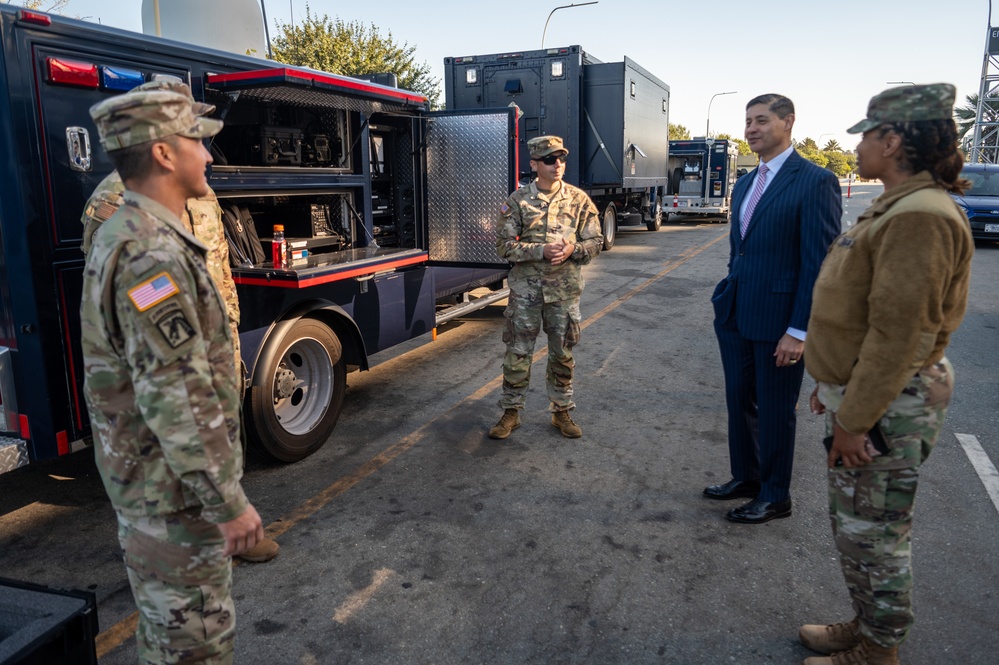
point(116, 78)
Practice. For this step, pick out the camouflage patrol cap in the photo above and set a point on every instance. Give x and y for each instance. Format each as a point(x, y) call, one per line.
point(934, 101)
point(542, 146)
point(140, 116)
point(176, 85)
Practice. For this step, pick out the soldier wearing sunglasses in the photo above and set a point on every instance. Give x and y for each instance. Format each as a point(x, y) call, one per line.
point(547, 230)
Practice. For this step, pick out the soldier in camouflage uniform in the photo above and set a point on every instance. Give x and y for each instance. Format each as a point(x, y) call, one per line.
point(160, 385)
point(203, 217)
point(547, 230)
point(890, 293)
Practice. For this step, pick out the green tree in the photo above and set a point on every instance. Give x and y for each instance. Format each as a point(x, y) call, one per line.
point(837, 162)
point(832, 145)
point(809, 149)
point(807, 145)
point(742, 144)
point(965, 116)
point(351, 49)
point(678, 133)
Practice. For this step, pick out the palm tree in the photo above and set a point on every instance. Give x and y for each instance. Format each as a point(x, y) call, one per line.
point(833, 145)
point(966, 116)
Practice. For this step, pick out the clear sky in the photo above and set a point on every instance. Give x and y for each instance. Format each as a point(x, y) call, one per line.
point(828, 57)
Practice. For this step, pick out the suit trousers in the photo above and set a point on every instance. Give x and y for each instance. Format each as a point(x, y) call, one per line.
point(761, 400)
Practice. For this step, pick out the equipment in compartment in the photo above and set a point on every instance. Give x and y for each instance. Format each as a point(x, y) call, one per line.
point(316, 150)
point(264, 133)
point(241, 236)
point(393, 213)
point(318, 223)
point(309, 220)
point(281, 145)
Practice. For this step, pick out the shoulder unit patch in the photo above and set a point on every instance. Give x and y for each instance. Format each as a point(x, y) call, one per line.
point(152, 291)
point(175, 327)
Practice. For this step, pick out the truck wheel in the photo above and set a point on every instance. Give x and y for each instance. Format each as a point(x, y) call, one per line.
point(609, 226)
point(294, 401)
point(656, 221)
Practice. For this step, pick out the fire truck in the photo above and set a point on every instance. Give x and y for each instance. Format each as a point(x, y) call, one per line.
point(613, 116)
point(388, 207)
point(704, 171)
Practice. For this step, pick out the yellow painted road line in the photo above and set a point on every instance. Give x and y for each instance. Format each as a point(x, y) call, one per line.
point(124, 629)
point(356, 601)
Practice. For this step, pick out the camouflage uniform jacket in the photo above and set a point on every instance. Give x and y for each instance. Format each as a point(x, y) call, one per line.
point(160, 387)
point(204, 218)
point(528, 220)
point(891, 291)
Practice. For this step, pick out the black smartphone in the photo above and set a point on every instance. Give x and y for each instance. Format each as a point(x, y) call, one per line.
point(877, 439)
point(827, 442)
point(876, 444)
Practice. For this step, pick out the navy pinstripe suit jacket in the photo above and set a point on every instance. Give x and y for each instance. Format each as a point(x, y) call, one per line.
point(772, 270)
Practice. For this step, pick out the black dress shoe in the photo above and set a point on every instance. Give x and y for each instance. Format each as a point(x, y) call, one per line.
point(758, 512)
point(733, 489)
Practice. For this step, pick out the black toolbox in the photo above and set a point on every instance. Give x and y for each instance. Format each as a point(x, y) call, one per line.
point(43, 626)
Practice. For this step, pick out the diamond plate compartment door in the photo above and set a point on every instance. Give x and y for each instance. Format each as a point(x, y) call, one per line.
point(470, 170)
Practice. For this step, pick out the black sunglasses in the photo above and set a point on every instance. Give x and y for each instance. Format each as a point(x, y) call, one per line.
point(551, 159)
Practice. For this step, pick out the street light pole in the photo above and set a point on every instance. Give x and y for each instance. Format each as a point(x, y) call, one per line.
point(818, 143)
point(580, 4)
point(707, 128)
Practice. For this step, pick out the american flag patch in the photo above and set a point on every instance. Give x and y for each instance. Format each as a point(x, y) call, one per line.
point(104, 211)
point(152, 291)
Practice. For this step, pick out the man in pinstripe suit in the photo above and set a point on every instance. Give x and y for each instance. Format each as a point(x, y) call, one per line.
point(786, 213)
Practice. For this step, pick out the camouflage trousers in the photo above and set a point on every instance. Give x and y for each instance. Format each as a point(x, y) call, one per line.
point(524, 321)
point(871, 507)
point(182, 586)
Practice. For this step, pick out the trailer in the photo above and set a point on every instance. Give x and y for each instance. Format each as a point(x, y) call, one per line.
point(390, 206)
point(613, 117)
point(704, 171)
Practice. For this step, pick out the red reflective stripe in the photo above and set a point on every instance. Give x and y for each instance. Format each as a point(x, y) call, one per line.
point(305, 77)
point(62, 442)
point(325, 279)
point(25, 430)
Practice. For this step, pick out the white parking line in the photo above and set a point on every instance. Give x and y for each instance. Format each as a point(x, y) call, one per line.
point(983, 465)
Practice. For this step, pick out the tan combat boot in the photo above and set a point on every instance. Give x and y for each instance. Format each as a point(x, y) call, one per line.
point(509, 422)
point(832, 638)
point(263, 551)
point(562, 422)
point(865, 653)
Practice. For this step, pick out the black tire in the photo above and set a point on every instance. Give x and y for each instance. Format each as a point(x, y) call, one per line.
point(608, 224)
point(655, 222)
point(295, 400)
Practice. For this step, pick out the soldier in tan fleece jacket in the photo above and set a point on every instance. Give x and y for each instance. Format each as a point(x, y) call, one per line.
point(890, 293)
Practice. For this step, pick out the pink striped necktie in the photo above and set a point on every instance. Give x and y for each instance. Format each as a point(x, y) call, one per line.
point(761, 182)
